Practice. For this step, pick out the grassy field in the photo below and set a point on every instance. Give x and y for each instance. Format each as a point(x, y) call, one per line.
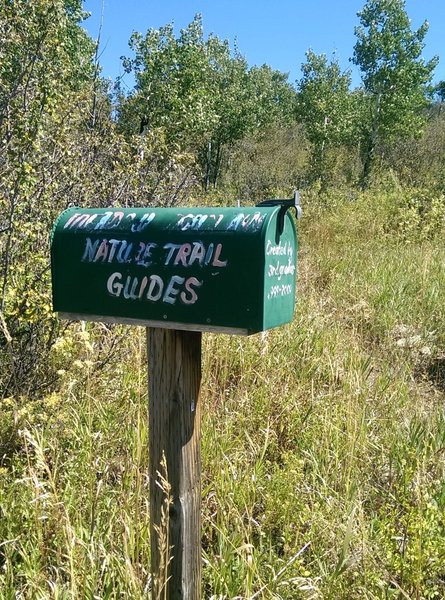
point(323, 441)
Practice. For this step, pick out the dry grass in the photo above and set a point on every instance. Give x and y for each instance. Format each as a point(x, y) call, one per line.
point(323, 441)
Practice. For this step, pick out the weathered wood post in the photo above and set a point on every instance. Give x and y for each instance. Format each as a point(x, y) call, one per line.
point(174, 363)
point(178, 272)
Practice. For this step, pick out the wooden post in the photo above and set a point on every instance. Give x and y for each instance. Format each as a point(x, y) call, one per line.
point(174, 376)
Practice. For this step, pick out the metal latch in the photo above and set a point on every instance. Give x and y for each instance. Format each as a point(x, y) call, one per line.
point(285, 205)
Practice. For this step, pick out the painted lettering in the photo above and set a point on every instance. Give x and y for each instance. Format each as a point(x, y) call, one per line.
point(102, 251)
point(279, 270)
point(246, 222)
point(90, 250)
point(84, 221)
point(190, 296)
point(186, 255)
point(124, 252)
point(216, 262)
point(104, 220)
point(144, 260)
point(114, 286)
point(209, 254)
point(191, 221)
point(143, 286)
point(130, 288)
point(146, 219)
point(171, 249)
point(182, 254)
point(112, 250)
point(155, 288)
point(234, 223)
point(73, 220)
point(172, 291)
point(140, 251)
point(277, 249)
point(116, 220)
point(198, 253)
point(217, 219)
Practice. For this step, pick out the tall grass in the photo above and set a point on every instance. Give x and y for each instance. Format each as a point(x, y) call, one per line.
point(323, 441)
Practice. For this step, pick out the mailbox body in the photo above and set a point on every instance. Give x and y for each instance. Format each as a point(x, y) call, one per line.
point(207, 269)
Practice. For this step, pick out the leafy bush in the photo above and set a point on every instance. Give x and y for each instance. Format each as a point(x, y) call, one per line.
point(421, 216)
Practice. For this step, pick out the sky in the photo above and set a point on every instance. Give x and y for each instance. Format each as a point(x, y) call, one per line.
point(273, 32)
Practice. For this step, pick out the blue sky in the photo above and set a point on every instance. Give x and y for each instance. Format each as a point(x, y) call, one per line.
point(275, 32)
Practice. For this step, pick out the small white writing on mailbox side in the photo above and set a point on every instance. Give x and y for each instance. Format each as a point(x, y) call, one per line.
point(280, 269)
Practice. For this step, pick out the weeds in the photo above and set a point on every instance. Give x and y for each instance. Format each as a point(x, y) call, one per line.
point(323, 441)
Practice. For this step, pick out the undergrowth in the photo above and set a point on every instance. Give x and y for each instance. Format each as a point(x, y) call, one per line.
point(323, 441)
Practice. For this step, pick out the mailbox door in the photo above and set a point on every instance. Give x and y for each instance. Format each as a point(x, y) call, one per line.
point(279, 273)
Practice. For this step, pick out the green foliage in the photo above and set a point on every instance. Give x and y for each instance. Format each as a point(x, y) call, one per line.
point(420, 216)
point(329, 111)
point(271, 164)
point(439, 90)
point(171, 85)
point(199, 94)
point(395, 76)
point(420, 162)
point(61, 147)
point(45, 58)
point(323, 440)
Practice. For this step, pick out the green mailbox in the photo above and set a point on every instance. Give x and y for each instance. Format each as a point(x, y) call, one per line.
point(226, 270)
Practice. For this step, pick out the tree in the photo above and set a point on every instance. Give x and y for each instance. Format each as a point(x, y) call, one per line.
point(395, 76)
point(439, 91)
point(45, 61)
point(326, 107)
point(246, 101)
point(199, 94)
point(172, 85)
